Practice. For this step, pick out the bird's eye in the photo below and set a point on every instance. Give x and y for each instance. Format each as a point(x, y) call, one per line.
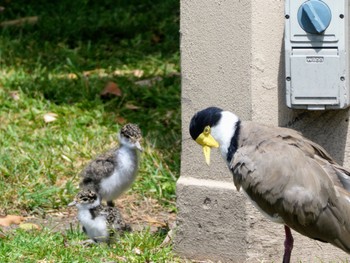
point(206, 130)
point(85, 199)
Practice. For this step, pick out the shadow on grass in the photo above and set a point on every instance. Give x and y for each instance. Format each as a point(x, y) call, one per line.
point(72, 37)
point(147, 25)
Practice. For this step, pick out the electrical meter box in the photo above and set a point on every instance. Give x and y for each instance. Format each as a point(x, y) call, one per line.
point(317, 54)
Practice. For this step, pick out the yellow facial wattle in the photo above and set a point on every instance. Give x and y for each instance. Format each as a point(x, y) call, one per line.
point(207, 141)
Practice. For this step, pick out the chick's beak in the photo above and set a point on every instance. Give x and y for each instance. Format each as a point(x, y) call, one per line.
point(207, 141)
point(72, 203)
point(138, 146)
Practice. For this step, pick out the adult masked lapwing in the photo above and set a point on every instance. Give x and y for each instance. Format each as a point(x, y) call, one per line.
point(112, 173)
point(100, 223)
point(289, 178)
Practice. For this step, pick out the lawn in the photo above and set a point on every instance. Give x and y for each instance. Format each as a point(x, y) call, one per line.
point(70, 77)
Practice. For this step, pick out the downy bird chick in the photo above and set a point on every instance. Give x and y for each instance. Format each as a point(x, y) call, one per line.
point(112, 173)
point(99, 222)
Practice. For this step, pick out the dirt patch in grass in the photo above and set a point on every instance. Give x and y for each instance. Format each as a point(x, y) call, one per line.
point(143, 212)
point(138, 211)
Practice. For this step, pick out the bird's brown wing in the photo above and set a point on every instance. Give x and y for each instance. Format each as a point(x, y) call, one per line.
point(115, 220)
point(293, 180)
point(96, 170)
point(254, 134)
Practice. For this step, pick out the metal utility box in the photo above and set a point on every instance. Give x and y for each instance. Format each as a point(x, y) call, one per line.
point(317, 54)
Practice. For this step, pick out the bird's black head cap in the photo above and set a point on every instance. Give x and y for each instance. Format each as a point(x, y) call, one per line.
point(209, 116)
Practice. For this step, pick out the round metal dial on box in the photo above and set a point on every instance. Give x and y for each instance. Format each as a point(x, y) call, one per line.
point(316, 54)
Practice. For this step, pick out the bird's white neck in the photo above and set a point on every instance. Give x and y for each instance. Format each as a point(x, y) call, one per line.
point(124, 142)
point(87, 207)
point(224, 131)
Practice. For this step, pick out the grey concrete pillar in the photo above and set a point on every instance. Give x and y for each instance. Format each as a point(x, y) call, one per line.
point(232, 57)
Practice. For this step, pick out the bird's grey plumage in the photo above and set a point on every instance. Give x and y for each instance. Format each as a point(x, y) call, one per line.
point(103, 166)
point(101, 223)
point(289, 178)
point(113, 218)
point(113, 172)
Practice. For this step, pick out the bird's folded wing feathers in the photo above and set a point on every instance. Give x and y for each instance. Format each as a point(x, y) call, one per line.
point(281, 180)
point(339, 175)
point(102, 166)
point(291, 177)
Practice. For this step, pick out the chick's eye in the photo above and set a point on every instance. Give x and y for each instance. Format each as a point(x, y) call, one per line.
point(207, 130)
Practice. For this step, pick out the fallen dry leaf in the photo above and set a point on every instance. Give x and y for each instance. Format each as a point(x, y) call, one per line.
point(98, 71)
point(72, 76)
point(66, 158)
point(50, 117)
point(11, 220)
point(154, 221)
point(138, 73)
point(120, 120)
point(148, 82)
point(29, 226)
point(118, 73)
point(111, 89)
point(131, 106)
point(67, 76)
point(123, 72)
point(30, 20)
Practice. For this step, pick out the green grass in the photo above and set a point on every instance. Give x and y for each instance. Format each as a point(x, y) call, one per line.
point(60, 65)
point(48, 246)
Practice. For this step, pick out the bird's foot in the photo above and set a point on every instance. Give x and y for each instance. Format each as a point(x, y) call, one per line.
point(88, 243)
point(85, 243)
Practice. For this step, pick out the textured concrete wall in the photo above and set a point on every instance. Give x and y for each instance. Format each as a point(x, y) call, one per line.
point(211, 211)
point(215, 60)
point(232, 57)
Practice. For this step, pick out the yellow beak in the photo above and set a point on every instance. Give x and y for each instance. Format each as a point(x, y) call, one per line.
point(207, 141)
